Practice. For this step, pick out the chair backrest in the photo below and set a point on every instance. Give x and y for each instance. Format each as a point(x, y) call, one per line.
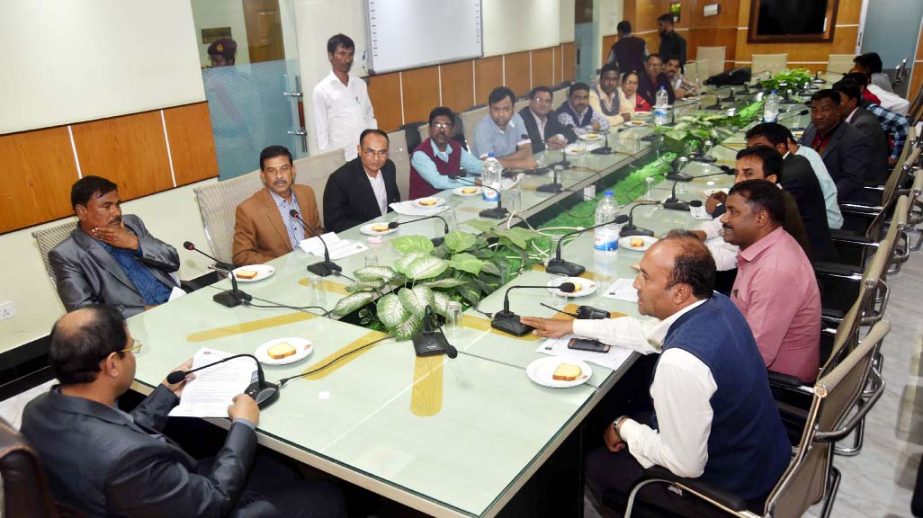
point(25, 492)
point(847, 334)
point(50, 237)
point(835, 395)
point(470, 120)
point(520, 104)
point(558, 96)
point(907, 161)
point(840, 63)
point(400, 155)
point(314, 170)
point(769, 62)
point(697, 71)
point(714, 59)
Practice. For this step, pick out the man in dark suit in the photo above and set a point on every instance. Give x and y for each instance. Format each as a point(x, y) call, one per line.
point(110, 258)
point(653, 79)
point(543, 127)
point(844, 149)
point(363, 188)
point(671, 43)
point(628, 51)
point(866, 122)
point(102, 461)
point(264, 227)
point(796, 177)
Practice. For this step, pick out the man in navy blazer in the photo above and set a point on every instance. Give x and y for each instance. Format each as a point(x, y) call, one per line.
point(110, 258)
point(102, 461)
point(363, 188)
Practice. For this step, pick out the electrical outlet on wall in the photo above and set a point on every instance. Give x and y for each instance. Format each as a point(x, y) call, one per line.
point(7, 310)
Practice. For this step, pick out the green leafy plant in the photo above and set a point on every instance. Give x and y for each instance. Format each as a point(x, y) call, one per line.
point(796, 79)
point(466, 267)
point(692, 131)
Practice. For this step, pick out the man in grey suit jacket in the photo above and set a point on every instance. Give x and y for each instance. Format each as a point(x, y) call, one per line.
point(102, 461)
point(844, 149)
point(866, 122)
point(110, 258)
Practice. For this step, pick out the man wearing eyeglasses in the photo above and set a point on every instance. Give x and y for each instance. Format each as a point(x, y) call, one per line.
point(438, 160)
point(544, 131)
point(102, 461)
point(363, 188)
point(264, 227)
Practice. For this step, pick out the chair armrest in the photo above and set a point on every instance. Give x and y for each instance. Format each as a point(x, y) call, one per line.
point(837, 270)
point(784, 380)
point(855, 418)
point(874, 188)
point(841, 236)
point(696, 487)
point(862, 210)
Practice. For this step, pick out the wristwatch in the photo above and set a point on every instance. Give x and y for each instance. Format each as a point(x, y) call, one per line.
point(617, 424)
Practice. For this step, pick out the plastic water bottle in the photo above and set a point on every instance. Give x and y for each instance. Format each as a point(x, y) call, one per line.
point(490, 176)
point(606, 238)
point(771, 108)
point(661, 106)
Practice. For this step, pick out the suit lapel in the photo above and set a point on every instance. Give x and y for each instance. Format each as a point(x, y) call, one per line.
point(102, 257)
point(364, 186)
point(834, 139)
point(271, 213)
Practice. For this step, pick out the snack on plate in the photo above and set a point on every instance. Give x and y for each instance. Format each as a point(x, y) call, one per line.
point(246, 274)
point(566, 372)
point(469, 190)
point(427, 202)
point(577, 287)
point(636, 242)
point(281, 350)
point(380, 227)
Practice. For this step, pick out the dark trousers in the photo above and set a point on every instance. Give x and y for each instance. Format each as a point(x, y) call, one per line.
point(275, 489)
point(611, 476)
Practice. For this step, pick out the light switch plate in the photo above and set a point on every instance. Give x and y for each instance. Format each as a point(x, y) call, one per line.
point(7, 310)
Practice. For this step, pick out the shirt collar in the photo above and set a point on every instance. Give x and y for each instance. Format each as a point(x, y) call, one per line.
point(852, 114)
point(659, 333)
point(436, 150)
point(278, 199)
point(509, 125)
point(331, 77)
point(753, 251)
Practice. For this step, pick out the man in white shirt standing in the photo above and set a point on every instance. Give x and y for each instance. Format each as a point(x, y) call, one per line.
point(714, 417)
point(342, 108)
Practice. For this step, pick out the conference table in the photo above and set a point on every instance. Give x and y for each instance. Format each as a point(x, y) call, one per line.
point(448, 437)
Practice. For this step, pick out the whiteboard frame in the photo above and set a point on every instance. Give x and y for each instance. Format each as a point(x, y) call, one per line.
point(373, 71)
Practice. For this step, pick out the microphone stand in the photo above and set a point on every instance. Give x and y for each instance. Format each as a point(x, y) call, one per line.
point(498, 212)
point(630, 229)
point(508, 322)
point(554, 187)
point(676, 174)
point(228, 298)
point(262, 391)
point(605, 150)
point(673, 203)
point(558, 265)
point(436, 240)
point(325, 267)
point(429, 342)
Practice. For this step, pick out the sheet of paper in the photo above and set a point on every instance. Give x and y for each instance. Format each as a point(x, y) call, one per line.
point(213, 389)
point(612, 359)
point(312, 245)
point(176, 293)
point(339, 248)
point(622, 289)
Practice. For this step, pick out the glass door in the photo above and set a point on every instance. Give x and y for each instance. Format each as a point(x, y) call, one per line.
point(249, 59)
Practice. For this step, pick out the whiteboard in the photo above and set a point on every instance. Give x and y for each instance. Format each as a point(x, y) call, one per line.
point(414, 33)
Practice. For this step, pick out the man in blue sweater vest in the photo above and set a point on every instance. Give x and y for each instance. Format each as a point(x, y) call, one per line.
point(714, 416)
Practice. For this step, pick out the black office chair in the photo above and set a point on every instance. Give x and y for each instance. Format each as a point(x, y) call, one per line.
point(25, 492)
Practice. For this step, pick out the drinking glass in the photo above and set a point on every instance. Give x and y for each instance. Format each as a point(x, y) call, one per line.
point(453, 320)
point(512, 200)
point(316, 294)
point(558, 299)
point(451, 219)
point(649, 192)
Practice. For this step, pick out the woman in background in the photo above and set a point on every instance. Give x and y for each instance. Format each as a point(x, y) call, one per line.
point(630, 91)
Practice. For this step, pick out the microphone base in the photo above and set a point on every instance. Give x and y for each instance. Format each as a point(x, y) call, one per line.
point(264, 394)
point(674, 204)
point(508, 322)
point(550, 187)
point(437, 240)
point(635, 231)
point(494, 213)
point(676, 177)
point(430, 344)
point(231, 298)
point(561, 266)
point(602, 151)
point(324, 268)
point(708, 159)
point(714, 107)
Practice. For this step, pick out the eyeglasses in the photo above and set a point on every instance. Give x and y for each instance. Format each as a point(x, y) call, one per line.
point(371, 152)
point(541, 100)
point(135, 347)
point(441, 125)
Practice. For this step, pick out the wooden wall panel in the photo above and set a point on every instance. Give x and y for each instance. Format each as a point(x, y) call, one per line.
point(518, 75)
point(39, 168)
point(558, 67)
point(916, 73)
point(488, 74)
point(385, 94)
point(542, 67)
point(192, 145)
point(569, 51)
point(130, 151)
point(421, 93)
point(800, 54)
point(608, 42)
point(458, 85)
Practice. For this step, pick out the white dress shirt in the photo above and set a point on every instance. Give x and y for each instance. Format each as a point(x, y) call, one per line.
point(381, 192)
point(827, 186)
point(724, 253)
point(681, 390)
point(341, 113)
point(890, 101)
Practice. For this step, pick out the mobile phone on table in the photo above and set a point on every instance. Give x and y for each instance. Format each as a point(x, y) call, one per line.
point(584, 344)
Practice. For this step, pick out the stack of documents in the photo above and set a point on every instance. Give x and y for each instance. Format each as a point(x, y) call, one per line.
point(622, 289)
point(214, 388)
point(612, 359)
point(339, 248)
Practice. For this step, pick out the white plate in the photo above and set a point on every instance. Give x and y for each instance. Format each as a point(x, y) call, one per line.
point(303, 348)
point(369, 231)
point(460, 191)
point(420, 203)
point(635, 123)
point(541, 371)
point(575, 149)
point(592, 137)
point(709, 192)
point(262, 271)
point(509, 183)
point(625, 243)
point(587, 287)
